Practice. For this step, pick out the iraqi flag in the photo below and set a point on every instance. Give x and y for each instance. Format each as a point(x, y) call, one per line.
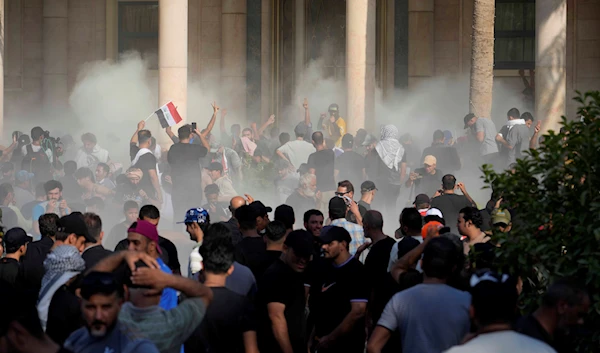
point(168, 115)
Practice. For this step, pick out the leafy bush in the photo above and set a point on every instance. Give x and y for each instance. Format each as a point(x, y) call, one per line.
point(555, 193)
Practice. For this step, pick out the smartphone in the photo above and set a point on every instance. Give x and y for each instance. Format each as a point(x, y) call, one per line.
point(193, 126)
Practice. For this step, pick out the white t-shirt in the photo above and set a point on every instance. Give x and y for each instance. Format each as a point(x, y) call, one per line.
point(297, 151)
point(503, 342)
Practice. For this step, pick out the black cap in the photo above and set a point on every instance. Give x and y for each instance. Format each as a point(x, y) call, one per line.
point(337, 203)
point(260, 208)
point(334, 234)
point(215, 166)
point(14, 239)
point(347, 141)
point(468, 118)
point(421, 199)
point(367, 186)
point(74, 224)
point(100, 283)
point(301, 242)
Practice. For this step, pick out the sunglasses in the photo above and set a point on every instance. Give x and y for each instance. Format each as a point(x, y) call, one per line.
point(337, 193)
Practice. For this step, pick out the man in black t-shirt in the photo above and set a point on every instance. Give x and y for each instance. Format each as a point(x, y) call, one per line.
point(450, 203)
point(184, 160)
point(447, 156)
point(32, 264)
point(281, 300)
point(350, 165)
point(338, 294)
point(15, 246)
point(321, 164)
point(427, 179)
point(376, 263)
point(251, 250)
point(229, 324)
point(142, 157)
point(564, 305)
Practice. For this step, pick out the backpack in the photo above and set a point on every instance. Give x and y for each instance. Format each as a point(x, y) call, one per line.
point(37, 163)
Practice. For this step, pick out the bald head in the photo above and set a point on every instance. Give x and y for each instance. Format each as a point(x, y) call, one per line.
point(236, 203)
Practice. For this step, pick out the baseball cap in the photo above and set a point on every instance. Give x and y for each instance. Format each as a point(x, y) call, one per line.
point(369, 139)
point(347, 141)
point(367, 186)
point(196, 215)
point(337, 203)
point(23, 175)
point(14, 238)
point(434, 214)
point(433, 224)
point(468, 118)
point(260, 208)
point(334, 107)
point(422, 199)
point(430, 160)
point(147, 230)
point(301, 129)
point(501, 216)
point(215, 166)
point(334, 233)
point(74, 224)
point(301, 242)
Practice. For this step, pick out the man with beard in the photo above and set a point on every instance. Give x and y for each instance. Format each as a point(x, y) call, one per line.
point(340, 297)
point(102, 297)
point(90, 154)
point(313, 223)
point(306, 197)
point(281, 299)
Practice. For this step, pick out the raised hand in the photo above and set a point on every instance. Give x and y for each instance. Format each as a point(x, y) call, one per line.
point(215, 107)
point(141, 125)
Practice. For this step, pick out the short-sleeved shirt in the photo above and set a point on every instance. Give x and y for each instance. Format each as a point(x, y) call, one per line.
point(428, 184)
point(350, 165)
point(297, 151)
point(22, 196)
point(376, 265)
point(40, 209)
point(9, 270)
point(145, 163)
point(227, 317)
point(502, 342)
point(168, 299)
point(251, 252)
point(518, 139)
point(167, 329)
point(450, 205)
point(357, 233)
point(119, 339)
point(323, 163)
point(379, 172)
point(488, 146)
point(334, 289)
point(429, 317)
point(32, 263)
point(184, 160)
point(280, 284)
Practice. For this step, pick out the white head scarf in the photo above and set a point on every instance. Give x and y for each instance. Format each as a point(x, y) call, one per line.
point(389, 148)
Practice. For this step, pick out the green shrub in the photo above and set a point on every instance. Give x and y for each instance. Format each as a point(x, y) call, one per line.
point(555, 192)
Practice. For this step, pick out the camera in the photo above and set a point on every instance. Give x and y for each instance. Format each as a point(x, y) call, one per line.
point(194, 126)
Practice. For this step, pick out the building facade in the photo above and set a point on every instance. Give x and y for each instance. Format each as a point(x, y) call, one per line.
point(257, 49)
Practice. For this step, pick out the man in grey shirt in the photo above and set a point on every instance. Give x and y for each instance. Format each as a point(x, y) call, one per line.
point(518, 142)
point(432, 316)
point(485, 132)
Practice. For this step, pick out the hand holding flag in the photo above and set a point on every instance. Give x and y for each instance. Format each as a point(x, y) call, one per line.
point(167, 115)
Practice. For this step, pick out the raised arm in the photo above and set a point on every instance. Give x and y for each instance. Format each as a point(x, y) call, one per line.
point(306, 112)
point(212, 121)
point(269, 121)
point(140, 126)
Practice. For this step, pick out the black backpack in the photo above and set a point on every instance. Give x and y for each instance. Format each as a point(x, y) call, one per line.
point(38, 164)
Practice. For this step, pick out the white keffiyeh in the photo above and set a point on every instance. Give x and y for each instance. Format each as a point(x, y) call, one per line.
point(389, 148)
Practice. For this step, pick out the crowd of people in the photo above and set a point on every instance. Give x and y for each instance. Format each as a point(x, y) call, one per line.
point(318, 273)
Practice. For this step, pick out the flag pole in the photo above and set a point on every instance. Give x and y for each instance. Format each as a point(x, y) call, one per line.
point(149, 117)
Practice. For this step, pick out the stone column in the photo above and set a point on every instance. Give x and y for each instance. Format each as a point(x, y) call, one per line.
point(550, 62)
point(173, 55)
point(299, 46)
point(55, 88)
point(360, 63)
point(233, 62)
point(265, 58)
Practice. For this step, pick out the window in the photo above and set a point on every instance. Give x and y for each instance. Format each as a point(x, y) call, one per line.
point(138, 29)
point(514, 31)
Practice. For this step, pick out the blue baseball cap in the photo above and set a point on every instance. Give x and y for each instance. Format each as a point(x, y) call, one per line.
point(23, 175)
point(196, 215)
